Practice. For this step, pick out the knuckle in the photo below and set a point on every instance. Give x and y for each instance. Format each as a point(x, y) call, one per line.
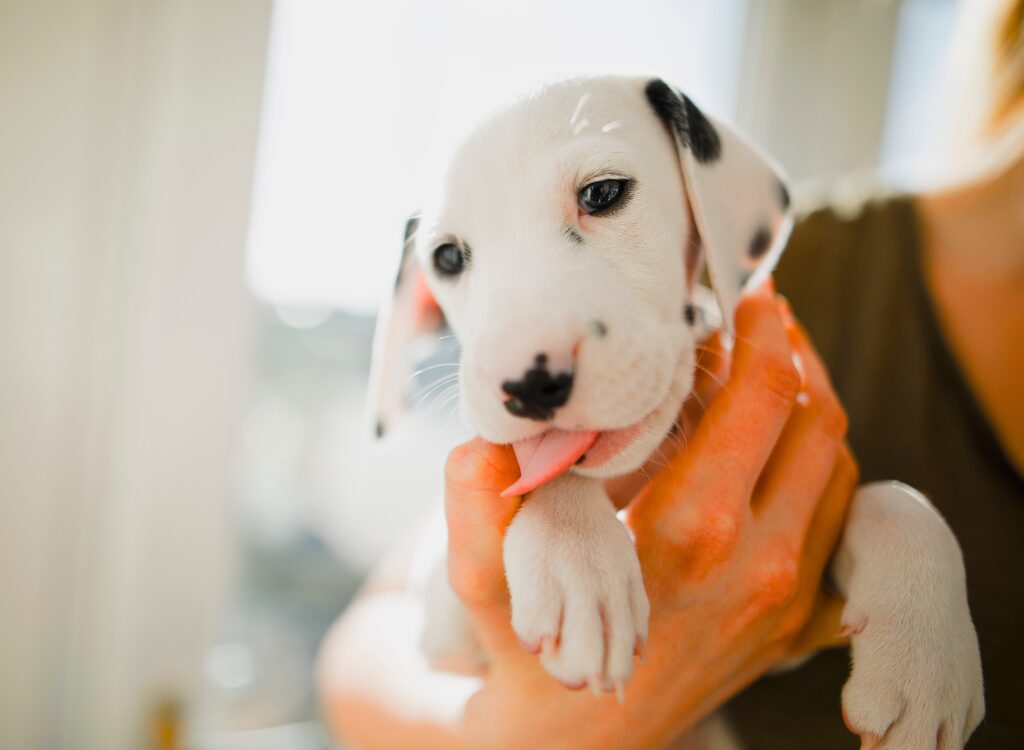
point(795, 620)
point(721, 532)
point(710, 536)
point(778, 582)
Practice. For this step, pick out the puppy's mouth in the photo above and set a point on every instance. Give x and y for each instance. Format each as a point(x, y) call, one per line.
point(553, 452)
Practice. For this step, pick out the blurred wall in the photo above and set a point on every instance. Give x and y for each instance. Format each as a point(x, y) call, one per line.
point(814, 82)
point(127, 139)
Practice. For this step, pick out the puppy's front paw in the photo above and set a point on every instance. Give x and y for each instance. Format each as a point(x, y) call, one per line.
point(916, 679)
point(577, 592)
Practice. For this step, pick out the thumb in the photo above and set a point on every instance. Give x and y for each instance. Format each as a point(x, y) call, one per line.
point(824, 628)
point(475, 475)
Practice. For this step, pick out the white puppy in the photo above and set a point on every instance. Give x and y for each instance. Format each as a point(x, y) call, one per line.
point(565, 252)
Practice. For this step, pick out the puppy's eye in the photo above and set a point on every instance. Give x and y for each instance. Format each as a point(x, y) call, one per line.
point(601, 195)
point(448, 260)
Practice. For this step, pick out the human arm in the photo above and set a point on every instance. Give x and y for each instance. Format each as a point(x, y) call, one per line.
point(733, 534)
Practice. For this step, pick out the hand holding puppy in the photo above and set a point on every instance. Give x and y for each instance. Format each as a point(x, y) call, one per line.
point(733, 534)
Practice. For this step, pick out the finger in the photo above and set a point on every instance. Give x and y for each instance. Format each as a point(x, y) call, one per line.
point(803, 459)
point(711, 370)
point(477, 515)
point(824, 628)
point(735, 438)
point(710, 374)
point(829, 519)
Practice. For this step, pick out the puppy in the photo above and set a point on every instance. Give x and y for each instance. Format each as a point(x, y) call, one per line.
point(565, 251)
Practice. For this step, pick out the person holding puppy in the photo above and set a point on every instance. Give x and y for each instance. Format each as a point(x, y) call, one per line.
point(916, 306)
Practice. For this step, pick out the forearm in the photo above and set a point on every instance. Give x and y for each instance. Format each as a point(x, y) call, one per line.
point(376, 689)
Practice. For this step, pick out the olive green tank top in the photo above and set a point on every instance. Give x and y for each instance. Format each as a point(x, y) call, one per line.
point(856, 282)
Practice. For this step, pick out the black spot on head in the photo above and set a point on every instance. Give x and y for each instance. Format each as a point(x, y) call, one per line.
point(600, 328)
point(379, 429)
point(760, 242)
point(690, 314)
point(693, 129)
point(541, 360)
point(784, 195)
point(704, 141)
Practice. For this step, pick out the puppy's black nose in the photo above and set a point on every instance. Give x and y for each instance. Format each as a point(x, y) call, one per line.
point(538, 393)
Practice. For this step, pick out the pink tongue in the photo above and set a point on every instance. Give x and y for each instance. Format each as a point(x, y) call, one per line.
point(544, 457)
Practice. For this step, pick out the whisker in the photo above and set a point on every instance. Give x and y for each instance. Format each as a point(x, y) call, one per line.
point(429, 388)
point(438, 392)
point(449, 399)
point(721, 383)
point(433, 367)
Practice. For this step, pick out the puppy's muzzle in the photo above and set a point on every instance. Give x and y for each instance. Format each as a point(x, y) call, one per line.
point(539, 392)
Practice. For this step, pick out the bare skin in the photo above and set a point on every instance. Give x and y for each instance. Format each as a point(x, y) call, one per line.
point(974, 269)
point(734, 535)
point(377, 690)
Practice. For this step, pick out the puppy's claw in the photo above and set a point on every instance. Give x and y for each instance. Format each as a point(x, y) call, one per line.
point(620, 691)
point(853, 627)
point(530, 648)
point(574, 686)
point(640, 650)
point(547, 646)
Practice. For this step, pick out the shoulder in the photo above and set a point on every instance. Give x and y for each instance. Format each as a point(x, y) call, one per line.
point(847, 253)
point(850, 227)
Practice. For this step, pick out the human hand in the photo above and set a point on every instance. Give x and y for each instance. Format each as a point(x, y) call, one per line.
point(734, 534)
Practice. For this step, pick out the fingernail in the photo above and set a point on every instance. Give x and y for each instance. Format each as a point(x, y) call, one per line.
point(640, 649)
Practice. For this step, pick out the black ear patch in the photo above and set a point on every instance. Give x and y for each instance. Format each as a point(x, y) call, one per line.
point(760, 242)
point(783, 195)
point(694, 130)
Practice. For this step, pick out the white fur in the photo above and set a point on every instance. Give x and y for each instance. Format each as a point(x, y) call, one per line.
point(572, 569)
point(916, 671)
point(574, 576)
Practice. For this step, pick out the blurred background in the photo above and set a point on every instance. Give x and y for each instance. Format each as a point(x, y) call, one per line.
point(201, 204)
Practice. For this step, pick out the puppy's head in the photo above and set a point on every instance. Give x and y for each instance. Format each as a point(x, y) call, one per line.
point(565, 249)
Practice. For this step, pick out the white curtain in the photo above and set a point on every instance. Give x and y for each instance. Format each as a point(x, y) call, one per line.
point(127, 142)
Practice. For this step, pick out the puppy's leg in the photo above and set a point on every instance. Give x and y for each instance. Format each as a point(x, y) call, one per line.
point(574, 578)
point(916, 675)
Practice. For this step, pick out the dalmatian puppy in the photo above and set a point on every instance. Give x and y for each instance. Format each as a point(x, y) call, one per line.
point(565, 250)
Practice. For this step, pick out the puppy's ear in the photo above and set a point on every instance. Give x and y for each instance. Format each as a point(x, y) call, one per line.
point(737, 196)
point(408, 314)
